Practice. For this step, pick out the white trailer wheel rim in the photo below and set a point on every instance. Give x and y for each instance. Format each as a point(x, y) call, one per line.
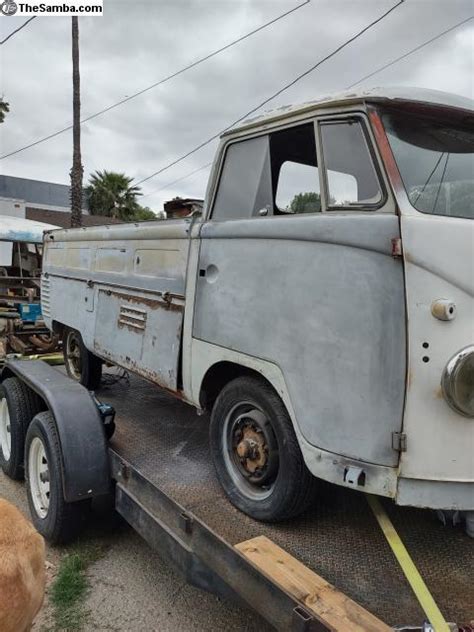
point(38, 477)
point(5, 430)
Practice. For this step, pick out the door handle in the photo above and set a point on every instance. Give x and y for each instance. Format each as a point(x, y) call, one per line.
point(210, 273)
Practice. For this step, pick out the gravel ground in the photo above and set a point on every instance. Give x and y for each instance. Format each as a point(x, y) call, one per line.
point(131, 589)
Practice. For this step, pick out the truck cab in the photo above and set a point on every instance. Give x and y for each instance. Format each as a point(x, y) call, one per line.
point(322, 307)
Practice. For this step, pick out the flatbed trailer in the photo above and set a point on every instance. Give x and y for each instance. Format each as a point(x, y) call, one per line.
point(166, 489)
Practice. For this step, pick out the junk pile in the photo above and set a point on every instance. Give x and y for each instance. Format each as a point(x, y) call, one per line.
point(22, 329)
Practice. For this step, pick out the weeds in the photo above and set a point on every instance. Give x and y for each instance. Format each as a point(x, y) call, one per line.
point(69, 589)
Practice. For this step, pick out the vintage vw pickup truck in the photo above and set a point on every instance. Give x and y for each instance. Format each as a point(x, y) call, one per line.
point(322, 308)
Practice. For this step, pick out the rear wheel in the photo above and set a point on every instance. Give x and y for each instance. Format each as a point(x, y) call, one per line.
point(58, 521)
point(256, 452)
point(18, 406)
point(81, 365)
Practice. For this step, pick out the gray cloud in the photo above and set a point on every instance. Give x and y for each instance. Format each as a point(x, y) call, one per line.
point(129, 48)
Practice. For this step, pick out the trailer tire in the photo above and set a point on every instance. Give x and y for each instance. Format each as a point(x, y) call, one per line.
point(256, 453)
point(58, 522)
point(81, 365)
point(18, 406)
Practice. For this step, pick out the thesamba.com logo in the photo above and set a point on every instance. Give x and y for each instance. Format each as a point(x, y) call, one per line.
point(8, 7)
point(51, 7)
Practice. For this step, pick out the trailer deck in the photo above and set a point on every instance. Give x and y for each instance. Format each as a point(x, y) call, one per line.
point(164, 443)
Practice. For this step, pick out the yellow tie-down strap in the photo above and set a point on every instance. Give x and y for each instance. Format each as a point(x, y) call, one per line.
point(407, 565)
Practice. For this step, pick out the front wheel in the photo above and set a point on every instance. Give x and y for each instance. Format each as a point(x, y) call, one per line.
point(81, 365)
point(256, 453)
point(57, 521)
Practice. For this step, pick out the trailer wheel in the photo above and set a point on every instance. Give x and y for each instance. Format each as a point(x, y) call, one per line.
point(58, 521)
point(18, 406)
point(256, 452)
point(81, 365)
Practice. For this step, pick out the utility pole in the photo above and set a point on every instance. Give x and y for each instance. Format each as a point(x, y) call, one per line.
point(77, 169)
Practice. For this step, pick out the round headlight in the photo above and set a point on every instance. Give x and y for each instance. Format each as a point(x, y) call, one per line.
point(457, 382)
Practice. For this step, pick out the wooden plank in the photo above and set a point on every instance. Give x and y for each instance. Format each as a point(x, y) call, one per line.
point(330, 606)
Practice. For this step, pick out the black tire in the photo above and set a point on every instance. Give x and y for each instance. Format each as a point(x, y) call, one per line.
point(282, 487)
point(81, 365)
point(62, 521)
point(22, 404)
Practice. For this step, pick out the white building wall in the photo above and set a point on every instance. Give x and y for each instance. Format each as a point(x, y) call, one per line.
point(14, 208)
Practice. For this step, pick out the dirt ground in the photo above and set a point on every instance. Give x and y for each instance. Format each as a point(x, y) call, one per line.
point(131, 589)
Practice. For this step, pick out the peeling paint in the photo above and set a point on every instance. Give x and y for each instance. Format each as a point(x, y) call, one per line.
point(19, 229)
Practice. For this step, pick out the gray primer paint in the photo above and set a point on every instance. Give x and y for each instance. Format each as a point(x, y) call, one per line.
point(321, 297)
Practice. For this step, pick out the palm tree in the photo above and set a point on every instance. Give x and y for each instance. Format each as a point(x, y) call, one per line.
point(77, 171)
point(113, 195)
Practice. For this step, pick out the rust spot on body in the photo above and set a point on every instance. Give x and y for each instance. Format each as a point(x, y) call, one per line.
point(148, 374)
point(164, 302)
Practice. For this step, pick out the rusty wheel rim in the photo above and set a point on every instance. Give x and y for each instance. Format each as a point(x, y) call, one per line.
point(250, 450)
point(73, 355)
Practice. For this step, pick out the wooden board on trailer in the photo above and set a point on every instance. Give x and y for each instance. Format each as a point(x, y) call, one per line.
point(334, 609)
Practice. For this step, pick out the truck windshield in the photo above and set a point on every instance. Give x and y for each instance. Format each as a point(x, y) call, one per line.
point(436, 162)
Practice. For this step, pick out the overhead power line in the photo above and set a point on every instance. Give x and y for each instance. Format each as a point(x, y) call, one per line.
point(160, 82)
point(375, 72)
point(410, 52)
point(185, 177)
point(275, 94)
point(18, 29)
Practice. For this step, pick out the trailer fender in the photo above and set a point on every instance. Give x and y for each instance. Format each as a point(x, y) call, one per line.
point(79, 424)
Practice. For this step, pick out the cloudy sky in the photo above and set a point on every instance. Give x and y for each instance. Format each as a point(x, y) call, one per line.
point(138, 42)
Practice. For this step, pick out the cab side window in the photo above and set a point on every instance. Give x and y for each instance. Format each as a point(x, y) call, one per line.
point(295, 173)
point(278, 173)
point(245, 182)
point(274, 174)
point(350, 173)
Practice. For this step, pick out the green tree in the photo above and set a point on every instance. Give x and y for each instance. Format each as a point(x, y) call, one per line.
point(309, 202)
point(4, 108)
point(143, 213)
point(113, 195)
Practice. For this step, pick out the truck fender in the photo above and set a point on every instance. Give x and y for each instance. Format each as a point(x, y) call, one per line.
point(79, 424)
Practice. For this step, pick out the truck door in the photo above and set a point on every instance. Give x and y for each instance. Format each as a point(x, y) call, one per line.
point(296, 268)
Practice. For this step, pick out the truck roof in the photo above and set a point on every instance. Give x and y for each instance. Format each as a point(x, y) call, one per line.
point(399, 95)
